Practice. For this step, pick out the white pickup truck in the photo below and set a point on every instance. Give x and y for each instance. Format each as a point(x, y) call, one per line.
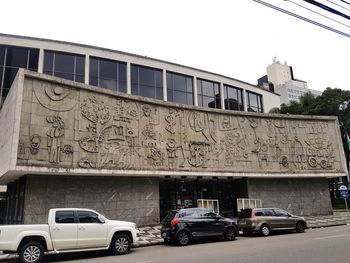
point(68, 230)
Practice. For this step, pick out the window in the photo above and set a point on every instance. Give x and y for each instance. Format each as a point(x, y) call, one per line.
point(280, 212)
point(208, 94)
point(65, 217)
point(146, 82)
point(11, 59)
point(254, 102)
point(64, 65)
point(180, 88)
point(108, 74)
point(268, 212)
point(233, 98)
point(88, 217)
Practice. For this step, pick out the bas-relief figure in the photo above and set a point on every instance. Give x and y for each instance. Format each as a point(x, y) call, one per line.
point(119, 133)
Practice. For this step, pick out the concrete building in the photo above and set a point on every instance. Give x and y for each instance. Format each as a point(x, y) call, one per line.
point(281, 78)
point(133, 137)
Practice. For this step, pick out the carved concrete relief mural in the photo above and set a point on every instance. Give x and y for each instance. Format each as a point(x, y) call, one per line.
point(79, 128)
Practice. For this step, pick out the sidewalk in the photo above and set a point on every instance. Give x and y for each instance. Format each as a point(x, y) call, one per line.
point(151, 235)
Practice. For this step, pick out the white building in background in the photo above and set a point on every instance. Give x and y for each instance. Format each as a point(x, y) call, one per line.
point(280, 78)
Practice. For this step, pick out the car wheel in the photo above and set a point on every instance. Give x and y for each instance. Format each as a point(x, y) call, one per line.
point(300, 228)
point(120, 244)
point(32, 252)
point(264, 230)
point(230, 234)
point(183, 238)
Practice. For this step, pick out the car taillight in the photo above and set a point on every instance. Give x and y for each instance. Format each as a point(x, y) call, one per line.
point(253, 213)
point(175, 221)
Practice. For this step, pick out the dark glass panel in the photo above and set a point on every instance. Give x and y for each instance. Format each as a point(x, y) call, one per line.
point(134, 74)
point(216, 88)
point(134, 89)
point(146, 76)
point(189, 84)
point(180, 97)
point(93, 81)
point(199, 86)
point(17, 57)
point(147, 91)
point(64, 63)
point(108, 70)
point(207, 88)
point(80, 65)
point(253, 100)
point(33, 59)
point(2, 55)
point(170, 95)
point(190, 99)
point(93, 68)
point(48, 62)
point(69, 76)
point(180, 83)
point(208, 102)
point(10, 74)
point(122, 71)
point(159, 78)
point(159, 93)
point(108, 83)
point(169, 80)
point(122, 86)
point(200, 101)
point(79, 78)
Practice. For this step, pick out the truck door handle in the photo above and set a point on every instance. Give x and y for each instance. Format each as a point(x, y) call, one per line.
point(81, 228)
point(55, 229)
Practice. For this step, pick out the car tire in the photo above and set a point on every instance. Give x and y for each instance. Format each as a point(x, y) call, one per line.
point(32, 252)
point(230, 234)
point(183, 238)
point(120, 244)
point(300, 227)
point(265, 230)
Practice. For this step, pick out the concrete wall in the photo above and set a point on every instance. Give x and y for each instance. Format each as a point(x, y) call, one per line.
point(304, 196)
point(128, 198)
point(10, 114)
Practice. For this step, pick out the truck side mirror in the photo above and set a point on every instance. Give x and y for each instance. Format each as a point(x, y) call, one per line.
point(101, 219)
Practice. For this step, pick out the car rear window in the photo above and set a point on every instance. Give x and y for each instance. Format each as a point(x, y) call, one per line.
point(168, 218)
point(245, 213)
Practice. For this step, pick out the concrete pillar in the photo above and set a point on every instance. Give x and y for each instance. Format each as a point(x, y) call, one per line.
point(41, 61)
point(165, 88)
point(87, 69)
point(195, 91)
point(245, 100)
point(128, 78)
point(222, 96)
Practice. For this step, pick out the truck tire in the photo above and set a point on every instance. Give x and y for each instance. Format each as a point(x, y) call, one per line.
point(32, 252)
point(120, 244)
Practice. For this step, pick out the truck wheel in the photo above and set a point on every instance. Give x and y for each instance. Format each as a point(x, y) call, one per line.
point(32, 252)
point(120, 244)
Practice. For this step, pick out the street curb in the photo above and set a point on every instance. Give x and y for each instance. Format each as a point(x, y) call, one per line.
point(146, 243)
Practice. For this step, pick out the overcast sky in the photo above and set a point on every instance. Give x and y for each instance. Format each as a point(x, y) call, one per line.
point(237, 38)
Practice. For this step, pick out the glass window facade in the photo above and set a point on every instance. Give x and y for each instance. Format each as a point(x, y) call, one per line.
point(254, 102)
point(64, 65)
point(11, 59)
point(146, 82)
point(108, 74)
point(208, 94)
point(180, 88)
point(233, 98)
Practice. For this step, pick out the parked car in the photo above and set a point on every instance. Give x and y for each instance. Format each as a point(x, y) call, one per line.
point(265, 220)
point(68, 230)
point(181, 226)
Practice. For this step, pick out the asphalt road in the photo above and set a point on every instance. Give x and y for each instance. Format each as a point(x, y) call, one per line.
point(323, 245)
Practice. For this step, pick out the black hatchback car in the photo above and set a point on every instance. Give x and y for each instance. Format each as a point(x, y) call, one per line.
point(181, 226)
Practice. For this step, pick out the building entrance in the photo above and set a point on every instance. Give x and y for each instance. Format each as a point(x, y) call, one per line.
point(177, 193)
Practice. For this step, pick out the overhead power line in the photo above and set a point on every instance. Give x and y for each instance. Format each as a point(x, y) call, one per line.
point(303, 18)
point(313, 11)
point(345, 2)
point(327, 8)
point(334, 3)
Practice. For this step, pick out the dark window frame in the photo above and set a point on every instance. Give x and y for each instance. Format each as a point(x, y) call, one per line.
point(250, 107)
point(202, 94)
point(172, 89)
point(239, 95)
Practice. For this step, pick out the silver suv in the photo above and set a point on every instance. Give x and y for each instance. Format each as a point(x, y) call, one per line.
point(265, 220)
